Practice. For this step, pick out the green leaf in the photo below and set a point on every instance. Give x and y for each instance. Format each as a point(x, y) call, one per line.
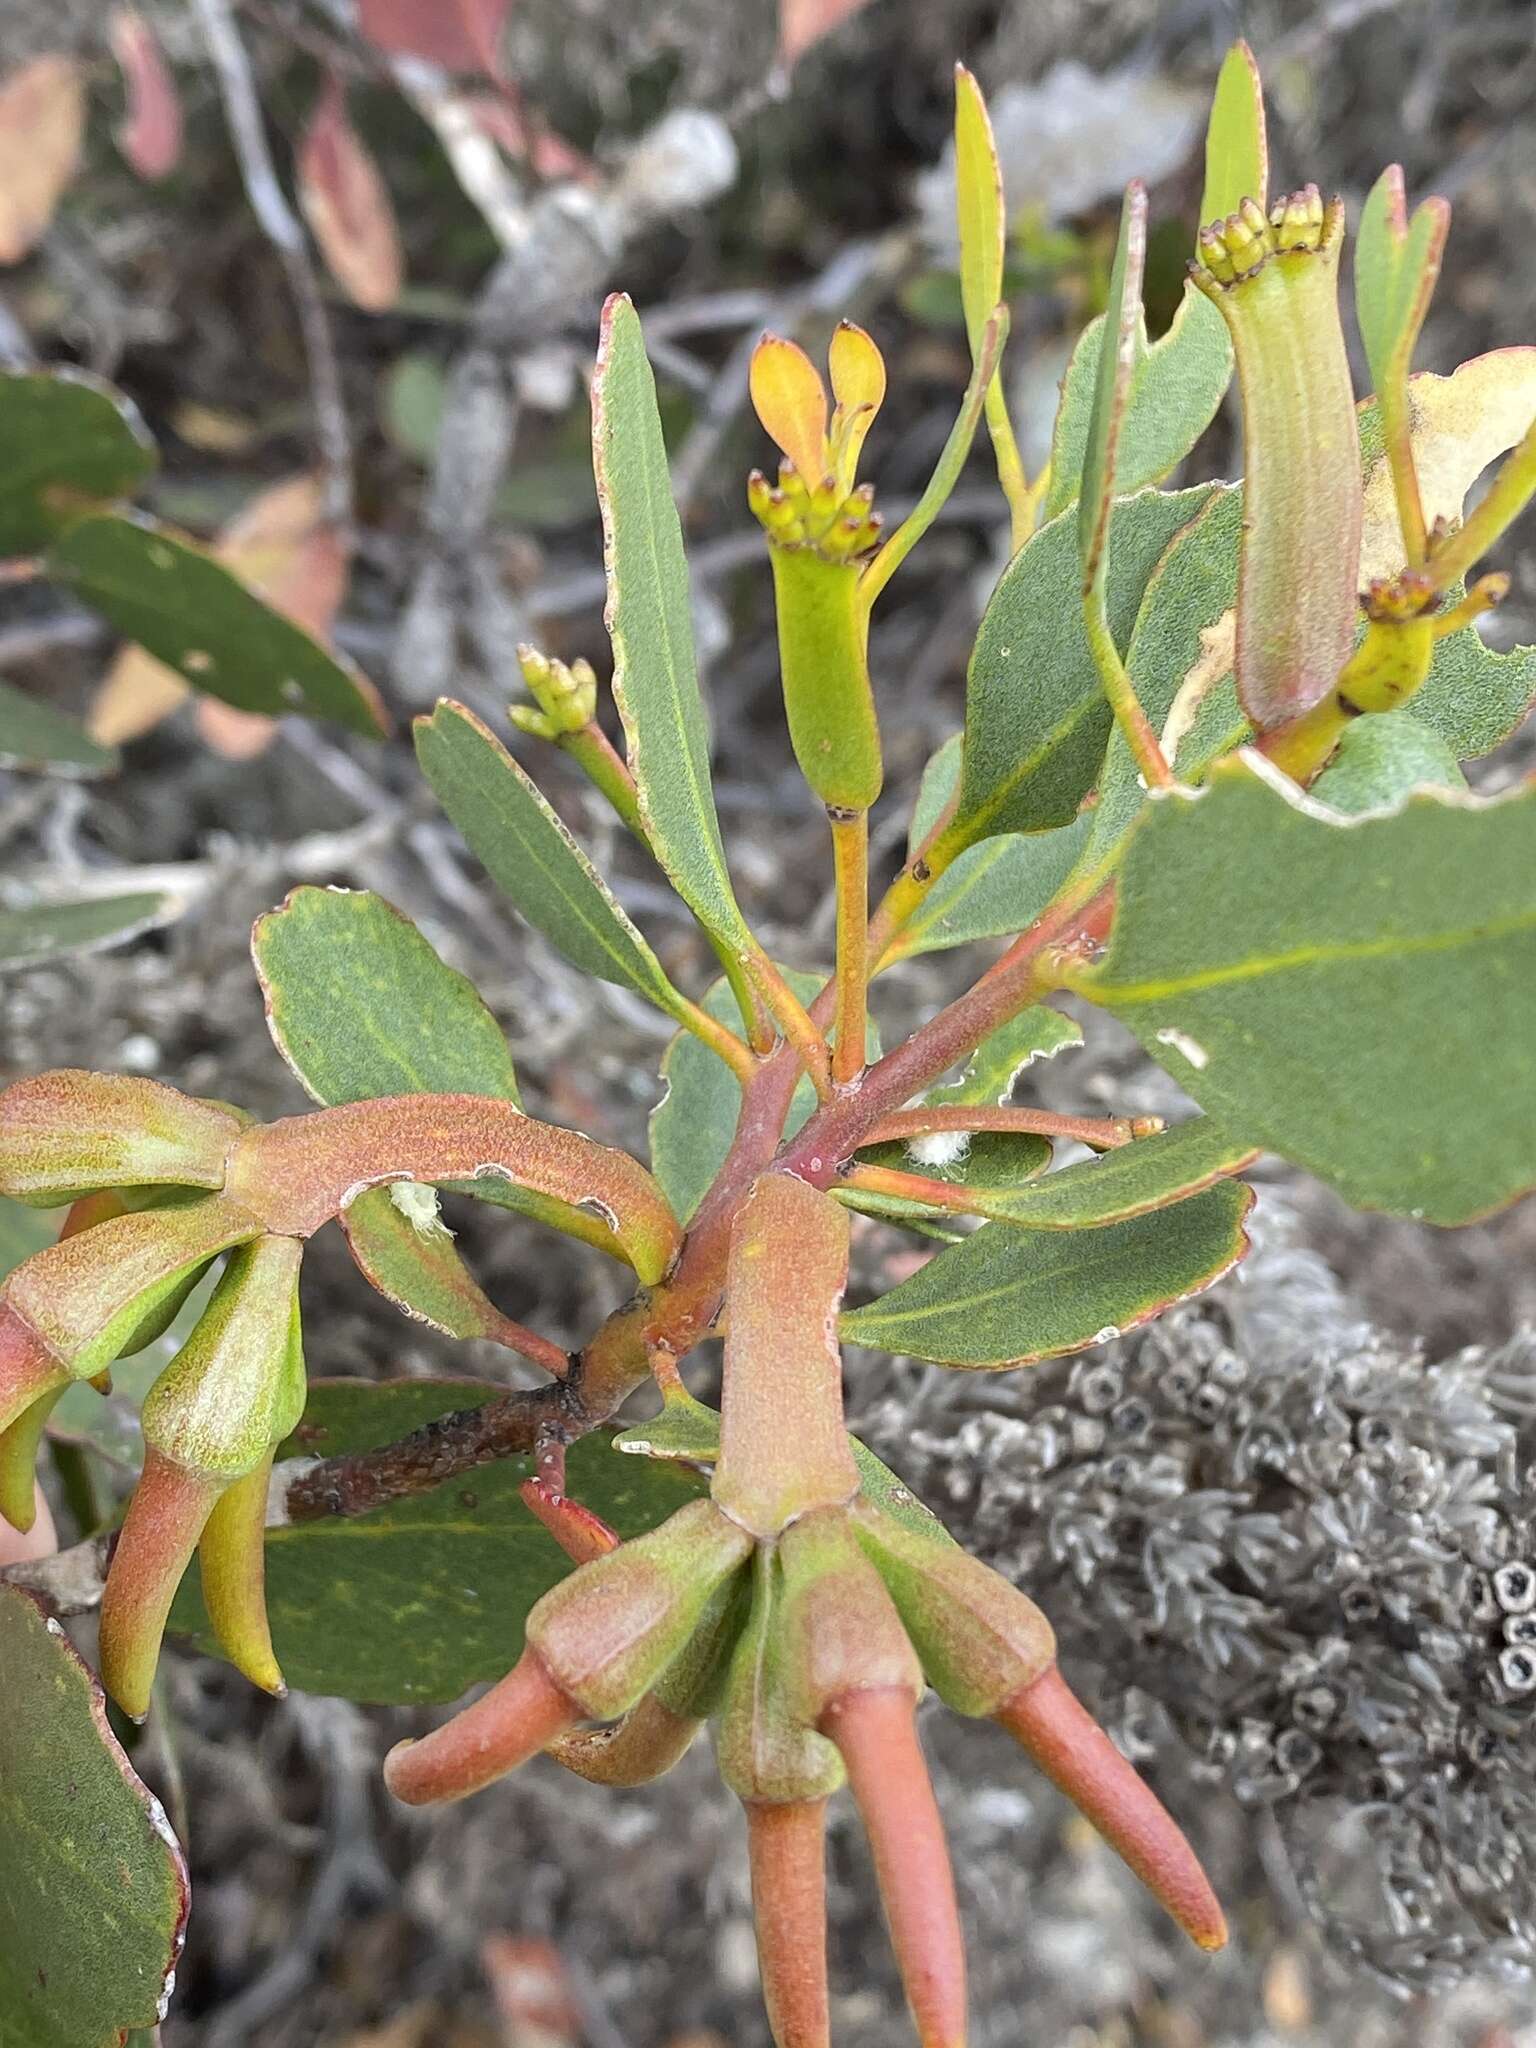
point(49, 931)
point(34, 735)
point(650, 623)
point(414, 1264)
point(23, 1231)
point(1183, 638)
point(1037, 1033)
point(1124, 322)
point(360, 1006)
point(1236, 148)
point(1175, 387)
point(691, 1126)
point(426, 1596)
point(993, 1164)
point(1132, 1180)
point(992, 890)
point(1371, 1018)
point(93, 1888)
point(1397, 261)
point(1008, 1297)
point(1380, 759)
point(68, 443)
point(1037, 719)
point(528, 853)
point(979, 208)
point(199, 619)
point(934, 790)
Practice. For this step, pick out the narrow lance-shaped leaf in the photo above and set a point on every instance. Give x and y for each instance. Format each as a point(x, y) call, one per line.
point(1371, 1020)
point(93, 1888)
point(51, 931)
point(1397, 261)
point(1111, 390)
point(68, 443)
point(1175, 387)
point(1236, 144)
point(192, 614)
point(1036, 717)
point(42, 127)
point(150, 134)
point(649, 619)
point(347, 204)
point(528, 853)
point(982, 220)
point(1007, 1297)
point(1132, 1180)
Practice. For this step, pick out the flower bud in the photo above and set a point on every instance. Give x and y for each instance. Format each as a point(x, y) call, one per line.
point(839, 1631)
point(69, 1132)
point(566, 695)
point(232, 1392)
point(639, 1749)
point(606, 1634)
point(512, 1722)
point(786, 1849)
point(83, 1298)
point(1079, 1758)
point(979, 1638)
point(768, 1752)
point(18, 1459)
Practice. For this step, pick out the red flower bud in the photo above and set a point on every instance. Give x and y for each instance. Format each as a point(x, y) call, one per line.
point(786, 1847)
point(635, 1751)
point(515, 1719)
point(1079, 1758)
point(165, 1519)
point(876, 1734)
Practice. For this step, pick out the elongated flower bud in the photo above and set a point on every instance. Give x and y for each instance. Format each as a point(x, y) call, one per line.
point(513, 1722)
point(232, 1559)
point(786, 1848)
point(29, 1371)
point(876, 1734)
point(1079, 1758)
point(1274, 280)
point(18, 1460)
point(233, 1391)
point(980, 1640)
point(84, 1297)
point(70, 1132)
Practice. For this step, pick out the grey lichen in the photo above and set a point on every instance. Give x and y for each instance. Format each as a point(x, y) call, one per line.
point(1284, 1552)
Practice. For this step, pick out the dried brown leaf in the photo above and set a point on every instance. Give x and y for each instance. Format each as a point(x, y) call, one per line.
point(42, 123)
point(461, 35)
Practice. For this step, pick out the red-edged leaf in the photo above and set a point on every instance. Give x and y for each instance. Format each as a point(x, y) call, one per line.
point(461, 35)
point(149, 135)
point(348, 206)
point(42, 123)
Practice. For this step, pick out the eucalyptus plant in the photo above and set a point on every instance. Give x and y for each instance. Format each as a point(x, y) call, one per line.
point(1209, 780)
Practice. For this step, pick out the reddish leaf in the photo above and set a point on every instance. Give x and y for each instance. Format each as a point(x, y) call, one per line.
point(150, 135)
point(42, 122)
point(500, 116)
point(803, 22)
point(348, 206)
point(461, 35)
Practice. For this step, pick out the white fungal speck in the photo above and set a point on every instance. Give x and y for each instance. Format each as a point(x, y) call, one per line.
point(1190, 1048)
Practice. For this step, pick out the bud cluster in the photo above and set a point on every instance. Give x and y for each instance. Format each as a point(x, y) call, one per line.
point(566, 696)
point(837, 525)
point(1238, 247)
point(809, 1648)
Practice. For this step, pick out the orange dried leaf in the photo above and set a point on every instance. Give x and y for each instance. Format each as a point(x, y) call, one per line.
point(348, 206)
point(42, 123)
point(150, 134)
